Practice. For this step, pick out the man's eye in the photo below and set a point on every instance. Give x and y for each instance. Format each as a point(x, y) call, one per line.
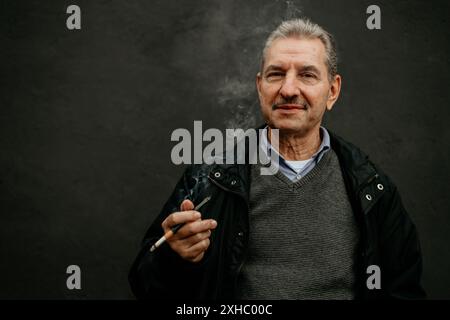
point(274, 75)
point(309, 75)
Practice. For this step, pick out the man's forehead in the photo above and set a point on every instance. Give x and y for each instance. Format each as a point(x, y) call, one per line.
point(305, 66)
point(283, 50)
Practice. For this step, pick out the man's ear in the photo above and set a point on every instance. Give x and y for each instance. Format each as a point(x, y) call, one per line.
point(333, 93)
point(258, 83)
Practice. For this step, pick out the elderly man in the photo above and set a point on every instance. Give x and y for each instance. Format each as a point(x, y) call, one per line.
point(327, 224)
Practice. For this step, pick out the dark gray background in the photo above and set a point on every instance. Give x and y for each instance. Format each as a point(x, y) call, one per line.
point(86, 118)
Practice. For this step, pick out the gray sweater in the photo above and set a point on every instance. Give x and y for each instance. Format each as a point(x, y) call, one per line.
point(303, 236)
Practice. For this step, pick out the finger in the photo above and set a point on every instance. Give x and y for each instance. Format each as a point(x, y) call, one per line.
point(184, 244)
point(198, 248)
point(194, 239)
point(198, 258)
point(180, 217)
point(187, 205)
point(198, 226)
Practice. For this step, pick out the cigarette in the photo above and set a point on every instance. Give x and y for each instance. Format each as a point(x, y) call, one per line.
point(175, 228)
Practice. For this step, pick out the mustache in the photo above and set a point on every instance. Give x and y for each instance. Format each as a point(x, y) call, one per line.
point(299, 102)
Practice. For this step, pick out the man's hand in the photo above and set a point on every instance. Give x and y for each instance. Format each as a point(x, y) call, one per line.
point(192, 240)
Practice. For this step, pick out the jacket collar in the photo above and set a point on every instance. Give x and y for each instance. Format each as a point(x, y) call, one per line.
point(353, 161)
point(357, 170)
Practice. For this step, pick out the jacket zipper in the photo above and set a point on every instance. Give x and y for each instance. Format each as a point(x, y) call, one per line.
point(244, 257)
point(248, 210)
point(364, 225)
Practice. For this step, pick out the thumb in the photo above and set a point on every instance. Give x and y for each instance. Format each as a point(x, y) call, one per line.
point(187, 205)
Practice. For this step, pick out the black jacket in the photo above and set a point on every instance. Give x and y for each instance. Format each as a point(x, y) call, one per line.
point(388, 237)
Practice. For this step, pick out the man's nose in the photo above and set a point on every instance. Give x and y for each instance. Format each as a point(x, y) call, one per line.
point(290, 87)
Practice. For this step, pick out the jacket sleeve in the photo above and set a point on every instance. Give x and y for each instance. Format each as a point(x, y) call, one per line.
point(401, 258)
point(163, 274)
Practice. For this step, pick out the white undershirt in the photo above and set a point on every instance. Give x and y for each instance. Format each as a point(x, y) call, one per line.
point(298, 165)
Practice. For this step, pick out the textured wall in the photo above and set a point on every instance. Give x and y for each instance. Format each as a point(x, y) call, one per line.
point(86, 118)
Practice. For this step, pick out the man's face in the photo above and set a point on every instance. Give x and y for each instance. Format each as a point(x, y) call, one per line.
point(294, 87)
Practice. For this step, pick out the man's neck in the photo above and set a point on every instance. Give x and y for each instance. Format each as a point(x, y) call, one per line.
point(298, 146)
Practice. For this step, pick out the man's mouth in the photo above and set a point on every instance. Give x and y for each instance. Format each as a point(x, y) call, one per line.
point(289, 106)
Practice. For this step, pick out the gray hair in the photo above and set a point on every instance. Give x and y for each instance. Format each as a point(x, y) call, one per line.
point(304, 28)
